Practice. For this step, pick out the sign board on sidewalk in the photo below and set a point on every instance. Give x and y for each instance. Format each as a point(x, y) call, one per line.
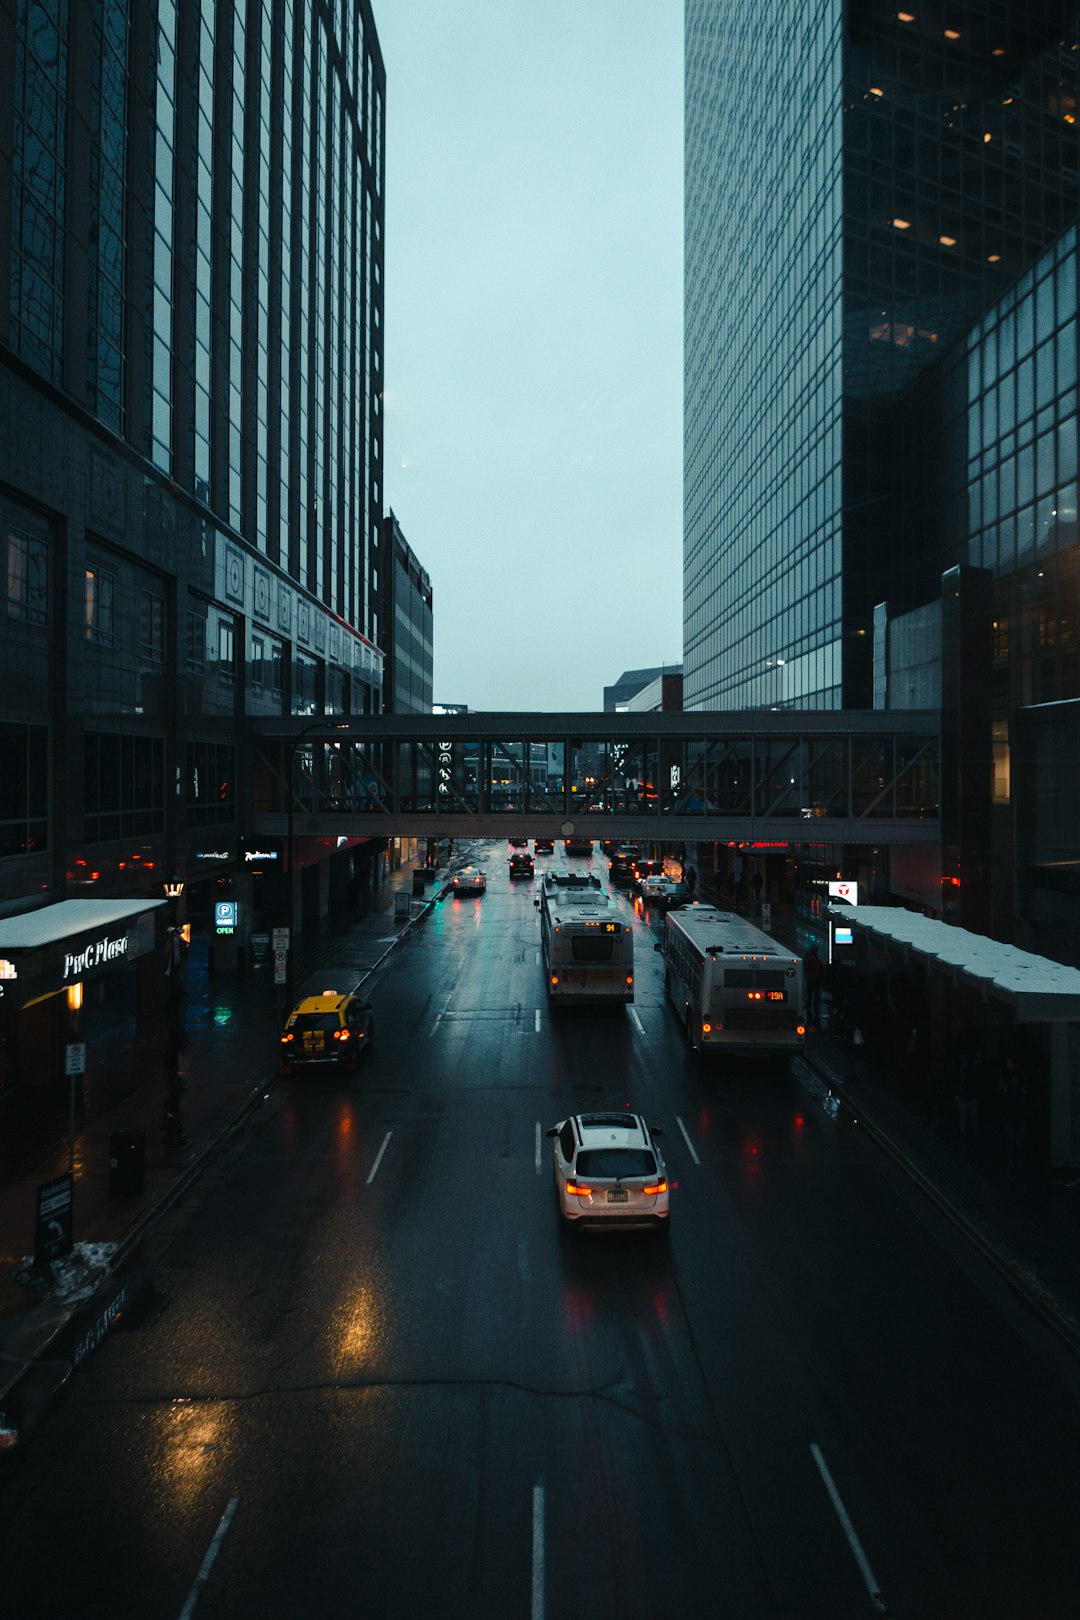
point(281, 939)
point(402, 906)
point(75, 1058)
point(281, 971)
point(54, 1220)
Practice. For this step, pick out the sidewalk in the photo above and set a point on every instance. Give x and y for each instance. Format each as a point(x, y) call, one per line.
point(233, 1023)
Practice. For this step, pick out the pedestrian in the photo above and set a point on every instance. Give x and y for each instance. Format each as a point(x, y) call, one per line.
point(967, 1057)
point(732, 886)
point(1014, 1110)
point(757, 884)
point(690, 879)
point(815, 971)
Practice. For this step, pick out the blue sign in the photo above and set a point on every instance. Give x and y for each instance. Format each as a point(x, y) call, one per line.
point(225, 916)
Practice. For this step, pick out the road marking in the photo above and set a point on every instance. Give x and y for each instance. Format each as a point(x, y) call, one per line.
point(378, 1158)
point(435, 1026)
point(522, 1258)
point(538, 1147)
point(537, 959)
point(208, 1562)
point(536, 1020)
point(687, 1140)
point(637, 1021)
point(848, 1528)
point(538, 1553)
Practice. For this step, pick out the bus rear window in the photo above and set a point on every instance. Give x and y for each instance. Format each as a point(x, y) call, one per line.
point(591, 947)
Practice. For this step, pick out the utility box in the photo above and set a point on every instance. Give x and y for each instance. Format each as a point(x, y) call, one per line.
point(127, 1162)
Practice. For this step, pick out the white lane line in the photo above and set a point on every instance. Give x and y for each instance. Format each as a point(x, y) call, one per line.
point(848, 1528)
point(208, 1562)
point(538, 1553)
point(537, 959)
point(435, 1025)
point(687, 1140)
point(538, 1136)
point(378, 1157)
point(536, 1020)
point(637, 1020)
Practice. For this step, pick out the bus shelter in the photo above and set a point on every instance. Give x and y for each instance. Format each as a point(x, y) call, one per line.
point(1005, 993)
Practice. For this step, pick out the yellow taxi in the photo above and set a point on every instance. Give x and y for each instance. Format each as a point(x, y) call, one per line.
point(327, 1028)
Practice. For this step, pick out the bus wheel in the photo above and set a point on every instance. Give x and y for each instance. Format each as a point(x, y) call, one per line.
point(690, 1033)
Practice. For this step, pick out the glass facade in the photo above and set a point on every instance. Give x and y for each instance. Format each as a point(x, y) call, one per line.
point(913, 168)
point(229, 241)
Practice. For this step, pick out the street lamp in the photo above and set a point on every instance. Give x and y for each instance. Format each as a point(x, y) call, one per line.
point(172, 1119)
point(290, 843)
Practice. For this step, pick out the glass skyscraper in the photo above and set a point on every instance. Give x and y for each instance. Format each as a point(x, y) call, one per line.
point(863, 181)
point(191, 358)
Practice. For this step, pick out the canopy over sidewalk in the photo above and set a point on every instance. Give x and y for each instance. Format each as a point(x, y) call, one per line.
point(1036, 989)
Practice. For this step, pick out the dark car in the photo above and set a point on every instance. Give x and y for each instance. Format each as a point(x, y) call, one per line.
point(644, 868)
point(543, 846)
point(521, 864)
point(519, 843)
point(578, 846)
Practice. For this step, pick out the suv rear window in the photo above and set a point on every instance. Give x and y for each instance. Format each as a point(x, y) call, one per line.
point(604, 1163)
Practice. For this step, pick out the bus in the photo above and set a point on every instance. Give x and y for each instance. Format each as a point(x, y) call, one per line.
point(735, 989)
point(588, 950)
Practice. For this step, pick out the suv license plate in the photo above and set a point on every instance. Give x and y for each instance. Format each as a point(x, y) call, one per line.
point(620, 1196)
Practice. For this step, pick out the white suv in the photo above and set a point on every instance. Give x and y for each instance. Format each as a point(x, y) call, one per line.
point(609, 1172)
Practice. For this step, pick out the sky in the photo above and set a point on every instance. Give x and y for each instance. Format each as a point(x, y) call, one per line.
point(533, 337)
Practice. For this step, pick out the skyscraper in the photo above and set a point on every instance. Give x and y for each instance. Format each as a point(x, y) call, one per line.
point(191, 301)
point(862, 183)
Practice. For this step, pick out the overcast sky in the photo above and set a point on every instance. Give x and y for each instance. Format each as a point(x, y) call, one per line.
point(533, 343)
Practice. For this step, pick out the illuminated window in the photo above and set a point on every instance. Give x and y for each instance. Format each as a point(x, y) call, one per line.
point(950, 33)
point(902, 224)
point(947, 241)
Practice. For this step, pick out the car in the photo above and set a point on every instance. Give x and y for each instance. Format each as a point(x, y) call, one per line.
point(657, 890)
point(327, 1028)
point(521, 864)
point(543, 846)
point(519, 843)
point(609, 1172)
point(645, 867)
point(470, 880)
point(577, 846)
point(621, 868)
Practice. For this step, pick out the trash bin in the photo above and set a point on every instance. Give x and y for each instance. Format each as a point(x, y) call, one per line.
point(418, 883)
point(127, 1162)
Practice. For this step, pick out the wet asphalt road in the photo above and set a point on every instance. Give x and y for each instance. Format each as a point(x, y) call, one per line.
point(384, 1383)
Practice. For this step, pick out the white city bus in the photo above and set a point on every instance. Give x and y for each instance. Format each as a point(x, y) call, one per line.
point(588, 949)
point(735, 989)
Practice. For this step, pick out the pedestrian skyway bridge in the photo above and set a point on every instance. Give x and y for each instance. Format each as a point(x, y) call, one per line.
point(855, 777)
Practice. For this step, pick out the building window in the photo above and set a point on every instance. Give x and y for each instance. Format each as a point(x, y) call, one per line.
point(27, 578)
point(196, 643)
point(305, 684)
point(258, 662)
point(211, 776)
point(123, 786)
point(24, 790)
point(152, 626)
point(226, 652)
point(100, 593)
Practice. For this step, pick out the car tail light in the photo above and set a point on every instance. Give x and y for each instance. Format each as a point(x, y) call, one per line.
point(576, 1190)
point(342, 1034)
point(554, 978)
point(287, 1037)
point(654, 1188)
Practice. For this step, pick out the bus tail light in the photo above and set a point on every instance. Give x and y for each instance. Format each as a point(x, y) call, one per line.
point(629, 978)
point(554, 978)
point(656, 1187)
point(706, 1029)
point(800, 1029)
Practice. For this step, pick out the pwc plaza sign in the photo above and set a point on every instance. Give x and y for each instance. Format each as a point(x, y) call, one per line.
point(81, 963)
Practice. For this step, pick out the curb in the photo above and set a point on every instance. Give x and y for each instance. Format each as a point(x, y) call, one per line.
point(1024, 1281)
point(32, 1385)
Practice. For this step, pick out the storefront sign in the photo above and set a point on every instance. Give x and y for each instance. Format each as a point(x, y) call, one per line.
point(54, 1220)
point(108, 948)
point(260, 855)
point(225, 912)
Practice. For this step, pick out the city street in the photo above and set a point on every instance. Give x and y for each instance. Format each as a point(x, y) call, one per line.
point(382, 1380)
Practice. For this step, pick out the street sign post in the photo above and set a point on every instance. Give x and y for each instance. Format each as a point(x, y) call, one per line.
point(281, 967)
point(53, 1238)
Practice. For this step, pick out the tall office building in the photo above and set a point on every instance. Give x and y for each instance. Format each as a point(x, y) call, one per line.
point(191, 253)
point(863, 181)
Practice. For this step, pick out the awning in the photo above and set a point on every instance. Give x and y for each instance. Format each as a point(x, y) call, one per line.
point(1041, 990)
point(45, 950)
